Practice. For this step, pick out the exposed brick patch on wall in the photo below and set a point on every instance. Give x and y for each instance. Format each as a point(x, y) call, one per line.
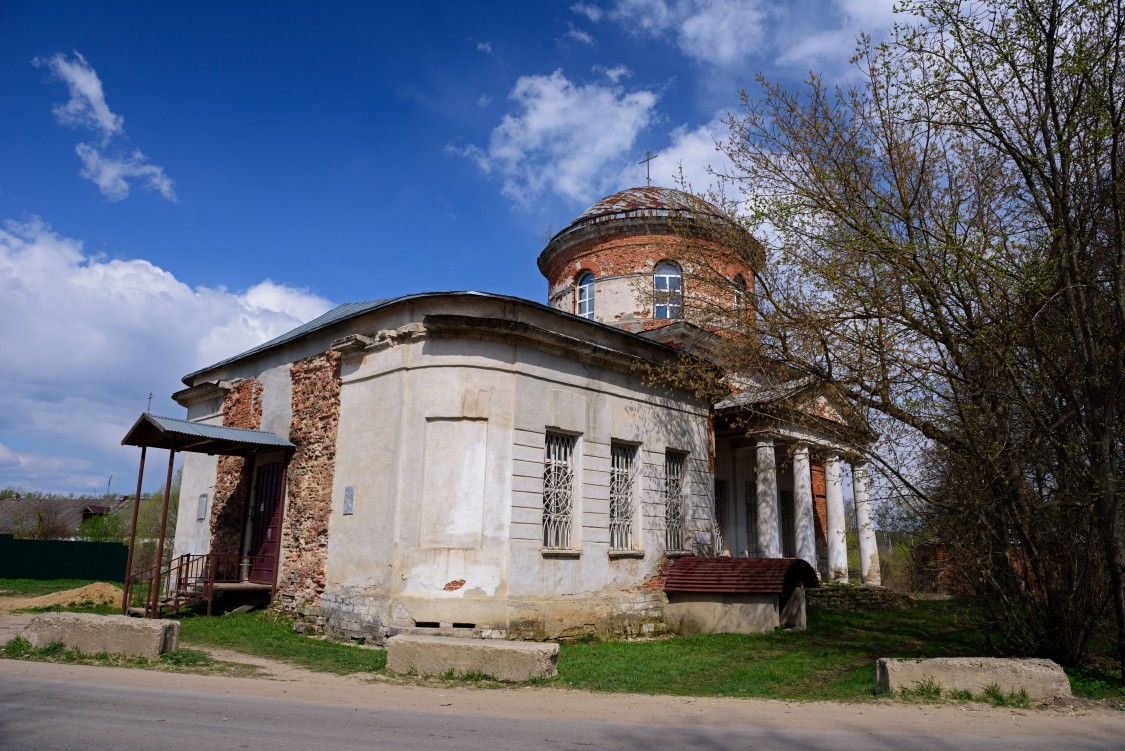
point(242, 408)
point(304, 534)
point(655, 583)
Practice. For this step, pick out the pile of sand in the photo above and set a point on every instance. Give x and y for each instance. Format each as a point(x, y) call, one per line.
point(98, 593)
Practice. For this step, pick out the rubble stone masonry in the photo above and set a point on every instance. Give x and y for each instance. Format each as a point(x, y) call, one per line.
point(304, 534)
point(242, 408)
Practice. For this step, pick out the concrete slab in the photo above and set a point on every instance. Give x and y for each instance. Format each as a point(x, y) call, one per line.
point(1041, 679)
point(116, 634)
point(500, 659)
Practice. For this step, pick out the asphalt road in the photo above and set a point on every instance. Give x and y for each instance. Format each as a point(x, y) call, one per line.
point(68, 707)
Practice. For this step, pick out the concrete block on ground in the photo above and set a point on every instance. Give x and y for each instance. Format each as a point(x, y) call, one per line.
point(500, 659)
point(1041, 679)
point(116, 634)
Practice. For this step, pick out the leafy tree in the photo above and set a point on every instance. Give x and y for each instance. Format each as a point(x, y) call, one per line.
point(944, 245)
point(40, 518)
point(101, 528)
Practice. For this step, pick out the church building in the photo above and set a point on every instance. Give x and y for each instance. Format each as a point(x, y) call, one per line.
point(477, 461)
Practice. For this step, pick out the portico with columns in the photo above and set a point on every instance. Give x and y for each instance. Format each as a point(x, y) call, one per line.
point(779, 494)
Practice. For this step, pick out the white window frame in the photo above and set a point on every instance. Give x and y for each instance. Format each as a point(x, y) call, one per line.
point(667, 291)
point(584, 296)
point(559, 482)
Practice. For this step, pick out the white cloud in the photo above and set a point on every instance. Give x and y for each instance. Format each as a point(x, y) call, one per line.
point(564, 137)
point(86, 107)
point(809, 44)
point(593, 12)
point(87, 338)
point(579, 35)
point(484, 100)
point(723, 33)
point(614, 74)
point(486, 48)
point(112, 174)
point(690, 156)
point(111, 169)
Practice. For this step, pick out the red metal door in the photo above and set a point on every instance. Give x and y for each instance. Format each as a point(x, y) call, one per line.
point(266, 526)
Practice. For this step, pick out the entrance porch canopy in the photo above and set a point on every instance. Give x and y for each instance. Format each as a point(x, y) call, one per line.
point(181, 435)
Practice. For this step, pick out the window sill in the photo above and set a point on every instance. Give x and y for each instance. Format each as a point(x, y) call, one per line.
point(678, 553)
point(615, 554)
point(559, 553)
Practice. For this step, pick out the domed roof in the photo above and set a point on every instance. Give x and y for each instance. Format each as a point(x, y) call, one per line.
point(639, 201)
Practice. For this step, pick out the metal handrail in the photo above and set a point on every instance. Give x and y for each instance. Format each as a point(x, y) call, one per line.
point(189, 578)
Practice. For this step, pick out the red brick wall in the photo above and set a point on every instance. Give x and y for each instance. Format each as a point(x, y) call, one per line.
point(820, 504)
point(316, 418)
point(638, 254)
point(242, 408)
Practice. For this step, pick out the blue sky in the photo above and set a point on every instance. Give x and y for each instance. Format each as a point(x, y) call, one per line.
point(181, 181)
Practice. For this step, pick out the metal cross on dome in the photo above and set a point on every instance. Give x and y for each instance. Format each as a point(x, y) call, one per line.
point(649, 156)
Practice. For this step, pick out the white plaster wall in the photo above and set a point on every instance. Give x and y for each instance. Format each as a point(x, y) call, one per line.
point(277, 400)
point(428, 513)
point(599, 406)
point(194, 535)
point(617, 299)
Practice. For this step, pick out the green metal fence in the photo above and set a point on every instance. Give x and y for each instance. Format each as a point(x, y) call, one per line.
point(61, 559)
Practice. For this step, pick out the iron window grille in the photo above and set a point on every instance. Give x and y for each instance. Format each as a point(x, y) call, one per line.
point(751, 497)
point(621, 480)
point(674, 506)
point(786, 503)
point(720, 521)
point(558, 490)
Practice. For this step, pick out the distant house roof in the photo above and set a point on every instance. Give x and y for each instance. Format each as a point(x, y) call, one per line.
point(16, 511)
point(739, 575)
point(181, 435)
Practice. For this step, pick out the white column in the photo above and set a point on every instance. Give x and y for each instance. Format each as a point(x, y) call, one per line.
point(804, 526)
point(769, 531)
point(837, 543)
point(865, 523)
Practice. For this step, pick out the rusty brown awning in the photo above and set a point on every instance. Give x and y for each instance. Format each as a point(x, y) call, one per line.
point(738, 575)
point(181, 435)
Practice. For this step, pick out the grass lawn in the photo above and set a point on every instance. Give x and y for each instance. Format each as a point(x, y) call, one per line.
point(267, 635)
point(833, 660)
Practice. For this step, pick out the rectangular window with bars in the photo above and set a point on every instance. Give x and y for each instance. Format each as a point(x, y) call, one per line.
point(558, 491)
point(786, 503)
point(621, 496)
point(750, 495)
point(675, 519)
point(720, 524)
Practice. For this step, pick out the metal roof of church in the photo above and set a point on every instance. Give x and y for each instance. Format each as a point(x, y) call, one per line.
point(352, 309)
point(656, 200)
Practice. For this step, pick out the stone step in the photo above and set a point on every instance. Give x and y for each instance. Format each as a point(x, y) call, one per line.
point(459, 633)
point(444, 656)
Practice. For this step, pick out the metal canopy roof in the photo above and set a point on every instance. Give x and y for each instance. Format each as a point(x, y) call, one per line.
point(181, 435)
point(738, 575)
